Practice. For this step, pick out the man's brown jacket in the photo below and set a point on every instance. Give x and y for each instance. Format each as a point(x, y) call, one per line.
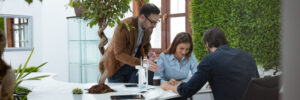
point(122, 46)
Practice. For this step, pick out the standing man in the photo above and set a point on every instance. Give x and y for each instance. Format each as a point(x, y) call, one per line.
point(131, 41)
point(227, 70)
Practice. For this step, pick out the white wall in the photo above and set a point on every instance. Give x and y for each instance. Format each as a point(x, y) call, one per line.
point(55, 41)
point(49, 34)
point(20, 7)
point(55, 38)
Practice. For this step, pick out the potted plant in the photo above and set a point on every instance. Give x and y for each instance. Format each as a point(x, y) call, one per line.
point(21, 75)
point(30, 1)
point(8, 79)
point(77, 8)
point(102, 13)
point(77, 94)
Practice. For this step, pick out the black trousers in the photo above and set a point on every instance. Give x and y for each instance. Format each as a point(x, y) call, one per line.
point(128, 74)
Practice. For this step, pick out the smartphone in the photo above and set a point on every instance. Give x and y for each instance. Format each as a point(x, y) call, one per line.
point(120, 97)
point(131, 85)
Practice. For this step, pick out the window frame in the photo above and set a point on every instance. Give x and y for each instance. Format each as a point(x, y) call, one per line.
point(9, 32)
point(165, 21)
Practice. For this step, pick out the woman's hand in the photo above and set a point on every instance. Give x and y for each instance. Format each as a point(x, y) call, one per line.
point(165, 86)
point(174, 82)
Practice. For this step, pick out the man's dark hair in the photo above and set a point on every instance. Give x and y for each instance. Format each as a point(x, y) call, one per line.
point(148, 9)
point(214, 37)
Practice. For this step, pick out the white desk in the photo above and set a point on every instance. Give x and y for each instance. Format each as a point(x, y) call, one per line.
point(51, 89)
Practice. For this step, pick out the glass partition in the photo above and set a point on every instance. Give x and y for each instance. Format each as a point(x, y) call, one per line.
point(83, 51)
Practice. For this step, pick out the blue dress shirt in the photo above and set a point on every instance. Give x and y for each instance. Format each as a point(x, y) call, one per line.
point(169, 67)
point(140, 37)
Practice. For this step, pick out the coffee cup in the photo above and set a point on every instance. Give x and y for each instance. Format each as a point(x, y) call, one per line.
point(156, 80)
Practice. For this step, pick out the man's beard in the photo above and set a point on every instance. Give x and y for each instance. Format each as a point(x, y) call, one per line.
point(207, 49)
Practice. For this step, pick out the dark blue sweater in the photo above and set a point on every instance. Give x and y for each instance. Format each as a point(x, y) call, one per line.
point(228, 72)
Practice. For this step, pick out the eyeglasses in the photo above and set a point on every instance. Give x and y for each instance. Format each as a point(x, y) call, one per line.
point(152, 22)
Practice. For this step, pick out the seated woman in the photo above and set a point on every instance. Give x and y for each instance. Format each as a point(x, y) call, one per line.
point(174, 64)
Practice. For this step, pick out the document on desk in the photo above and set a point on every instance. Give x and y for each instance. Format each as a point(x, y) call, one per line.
point(158, 93)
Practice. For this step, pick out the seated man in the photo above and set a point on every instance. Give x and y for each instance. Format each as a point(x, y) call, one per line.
point(227, 70)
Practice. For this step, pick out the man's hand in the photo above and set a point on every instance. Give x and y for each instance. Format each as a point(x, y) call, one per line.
point(152, 66)
point(208, 86)
point(167, 86)
point(152, 56)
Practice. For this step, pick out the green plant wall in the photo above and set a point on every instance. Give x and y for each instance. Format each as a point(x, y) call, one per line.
point(2, 24)
point(250, 25)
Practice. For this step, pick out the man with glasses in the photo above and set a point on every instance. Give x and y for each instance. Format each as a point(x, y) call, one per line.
point(131, 40)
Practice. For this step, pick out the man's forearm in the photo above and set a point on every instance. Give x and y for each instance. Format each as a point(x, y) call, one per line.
point(127, 59)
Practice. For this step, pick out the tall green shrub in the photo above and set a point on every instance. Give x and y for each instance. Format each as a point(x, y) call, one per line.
point(2, 24)
point(250, 25)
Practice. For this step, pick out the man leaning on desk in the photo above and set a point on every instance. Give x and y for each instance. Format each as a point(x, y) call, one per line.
point(130, 41)
point(227, 70)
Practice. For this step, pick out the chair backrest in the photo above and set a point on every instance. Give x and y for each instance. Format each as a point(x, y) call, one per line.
point(266, 88)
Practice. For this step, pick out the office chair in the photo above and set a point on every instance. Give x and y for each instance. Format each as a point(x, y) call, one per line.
point(266, 88)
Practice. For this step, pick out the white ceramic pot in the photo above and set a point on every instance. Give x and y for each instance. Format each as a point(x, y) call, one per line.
point(77, 96)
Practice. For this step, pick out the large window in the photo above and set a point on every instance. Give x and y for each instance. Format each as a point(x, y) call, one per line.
point(20, 27)
point(174, 19)
point(17, 32)
point(156, 40)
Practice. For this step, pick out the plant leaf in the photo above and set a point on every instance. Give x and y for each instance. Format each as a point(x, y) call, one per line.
point(35, 69)
point(127, 26)
point(25, 65)
point(37, 77)
point(18, 70)
point(29, 1)
point(17, 83)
